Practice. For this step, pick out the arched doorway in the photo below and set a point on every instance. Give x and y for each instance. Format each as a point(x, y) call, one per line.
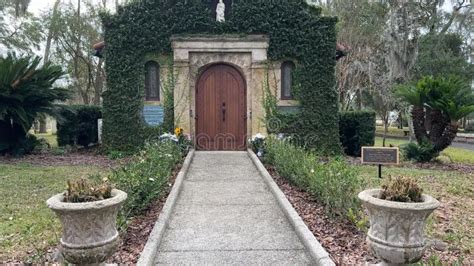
point(221, 120)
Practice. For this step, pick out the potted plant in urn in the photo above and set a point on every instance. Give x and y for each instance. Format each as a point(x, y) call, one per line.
point(397, 213)
point(88, 213)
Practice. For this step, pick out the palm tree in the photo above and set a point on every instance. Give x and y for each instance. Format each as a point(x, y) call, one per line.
point(455, 100)
point(26, 91)
point(446, 100)
point(416, 96)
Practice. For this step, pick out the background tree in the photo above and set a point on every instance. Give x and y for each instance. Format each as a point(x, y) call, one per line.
point(78, 27)
point(19, 29)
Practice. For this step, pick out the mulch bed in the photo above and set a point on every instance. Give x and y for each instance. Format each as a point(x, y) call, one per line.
point(74, 158)
point(342, 240)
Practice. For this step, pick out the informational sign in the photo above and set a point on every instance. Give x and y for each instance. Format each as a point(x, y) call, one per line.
point(153, 114)
point(380, 155)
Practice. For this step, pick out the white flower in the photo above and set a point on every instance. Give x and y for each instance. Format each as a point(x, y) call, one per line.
point(11, 218)
point(151, 179)
point(259, 154)
point(168, 136)
point(312, 171)
point(259, 136)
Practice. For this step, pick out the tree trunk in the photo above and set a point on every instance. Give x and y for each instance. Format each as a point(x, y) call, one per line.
point(410, 125)
point(418, 115)
point(385, 128)
point(438, 124)
point(99, 83)
point(83, 94)
point(447, 138)
point(51, 32)
point(42, 120)
point(43, 126)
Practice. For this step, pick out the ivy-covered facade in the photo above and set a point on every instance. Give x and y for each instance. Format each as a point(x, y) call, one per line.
point(161, 55)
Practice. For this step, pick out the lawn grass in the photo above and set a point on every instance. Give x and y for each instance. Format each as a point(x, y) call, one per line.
point(391, 131)
point(27, 226)
point(454, 221)
point(455, 155)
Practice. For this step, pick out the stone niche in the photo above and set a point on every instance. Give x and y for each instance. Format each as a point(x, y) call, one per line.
point(193, 54)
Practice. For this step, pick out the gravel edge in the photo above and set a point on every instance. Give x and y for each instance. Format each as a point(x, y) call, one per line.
point(315, 249)
point(148, 254)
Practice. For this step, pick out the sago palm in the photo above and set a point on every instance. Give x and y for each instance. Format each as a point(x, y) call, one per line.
point(447, 99)
point(26, 91)
point(454, 98)
point(416, 96)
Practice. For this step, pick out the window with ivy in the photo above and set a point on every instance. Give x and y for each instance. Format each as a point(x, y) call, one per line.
point(152, 81)
point(286, 80)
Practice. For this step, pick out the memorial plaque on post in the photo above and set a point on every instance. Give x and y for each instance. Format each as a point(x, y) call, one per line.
point(380, 156)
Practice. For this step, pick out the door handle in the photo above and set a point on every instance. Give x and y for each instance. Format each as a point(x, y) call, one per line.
point(223, 112)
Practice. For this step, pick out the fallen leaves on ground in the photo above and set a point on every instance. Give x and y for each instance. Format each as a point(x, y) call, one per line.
point(342, 240)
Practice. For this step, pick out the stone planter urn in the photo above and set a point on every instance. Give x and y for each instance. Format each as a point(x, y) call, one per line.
point(89, 229)
point(396, 234)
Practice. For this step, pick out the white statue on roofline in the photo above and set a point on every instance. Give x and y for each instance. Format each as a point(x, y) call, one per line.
point(220, 11)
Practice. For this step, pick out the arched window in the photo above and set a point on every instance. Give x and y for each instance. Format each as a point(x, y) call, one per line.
point(152, 81)
point(286, 80)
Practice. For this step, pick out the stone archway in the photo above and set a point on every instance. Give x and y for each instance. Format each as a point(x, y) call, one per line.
point(192, 55)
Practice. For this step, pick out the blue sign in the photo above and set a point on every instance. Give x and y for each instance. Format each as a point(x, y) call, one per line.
point(153, 114)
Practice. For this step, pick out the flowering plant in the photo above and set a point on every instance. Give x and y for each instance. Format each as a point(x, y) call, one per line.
point(258, 144)
point(182, 140)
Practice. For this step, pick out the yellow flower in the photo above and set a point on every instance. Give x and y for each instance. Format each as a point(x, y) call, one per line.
point(178, 131)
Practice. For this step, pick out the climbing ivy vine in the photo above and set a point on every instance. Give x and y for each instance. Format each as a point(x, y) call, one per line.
point(296, 31)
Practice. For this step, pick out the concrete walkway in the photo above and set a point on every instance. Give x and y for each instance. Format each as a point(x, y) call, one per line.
point(225, 214)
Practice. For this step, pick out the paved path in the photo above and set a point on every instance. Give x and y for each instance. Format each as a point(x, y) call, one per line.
point(225, 214)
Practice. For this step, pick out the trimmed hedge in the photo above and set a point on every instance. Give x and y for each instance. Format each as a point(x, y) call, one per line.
point(297, 31)
point(356, 129)
point(79, 125)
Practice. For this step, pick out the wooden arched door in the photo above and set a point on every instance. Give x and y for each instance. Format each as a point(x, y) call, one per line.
point(221, 120)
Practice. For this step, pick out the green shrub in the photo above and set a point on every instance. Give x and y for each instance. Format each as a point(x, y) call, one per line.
point(146, 177)
point(421, 153)
point(356, 129)
point(79, 125)
point(334, 183)
point(24, 145)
